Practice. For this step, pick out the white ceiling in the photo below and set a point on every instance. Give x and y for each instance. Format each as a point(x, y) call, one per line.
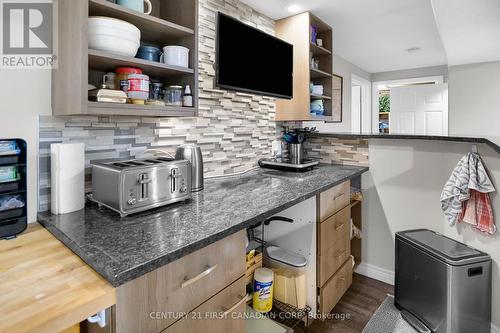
point(470, 30)
point(375, 34)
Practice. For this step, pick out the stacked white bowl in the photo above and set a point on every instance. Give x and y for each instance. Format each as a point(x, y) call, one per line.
point(114, 36)
point(317, 89)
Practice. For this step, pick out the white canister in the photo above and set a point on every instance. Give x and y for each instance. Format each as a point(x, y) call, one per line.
point(175, 55)
point(138, 88)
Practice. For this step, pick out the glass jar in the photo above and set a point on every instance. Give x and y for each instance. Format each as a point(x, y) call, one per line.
point(173, 95)
point(156, 91)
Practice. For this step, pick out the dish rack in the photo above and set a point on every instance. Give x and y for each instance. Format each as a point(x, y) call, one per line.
point(14, 187)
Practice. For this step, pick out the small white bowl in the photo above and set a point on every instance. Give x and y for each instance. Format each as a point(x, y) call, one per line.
point(113, 36)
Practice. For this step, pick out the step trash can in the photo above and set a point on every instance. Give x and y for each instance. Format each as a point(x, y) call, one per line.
point(441, 285)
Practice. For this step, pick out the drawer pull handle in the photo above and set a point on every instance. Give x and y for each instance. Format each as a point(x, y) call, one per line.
point(338, 196)
point(341, 281)
point(208, 270)
point(231, 309)
point(339, 226)
point(340, 254)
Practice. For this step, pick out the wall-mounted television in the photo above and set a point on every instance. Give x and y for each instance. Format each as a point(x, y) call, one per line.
point(252, 61)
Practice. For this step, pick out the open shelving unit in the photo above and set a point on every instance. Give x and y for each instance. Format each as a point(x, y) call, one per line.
point(171, 22)
point(297, 30)
point(102, 61)
point(318, 50)
point(314, 96)
point(356, 206)
point(319, 74)
point(154, 28)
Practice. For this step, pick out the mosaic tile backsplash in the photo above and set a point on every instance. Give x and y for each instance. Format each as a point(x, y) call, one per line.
point(338, 151)
point(234, 130)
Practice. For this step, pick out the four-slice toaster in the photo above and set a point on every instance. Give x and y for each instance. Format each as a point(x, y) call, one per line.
point(133, 186)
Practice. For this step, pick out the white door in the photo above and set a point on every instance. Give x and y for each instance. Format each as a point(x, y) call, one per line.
point(356, 109)
point(419, 110)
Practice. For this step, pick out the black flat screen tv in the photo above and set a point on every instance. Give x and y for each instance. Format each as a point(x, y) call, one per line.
point(252, 61)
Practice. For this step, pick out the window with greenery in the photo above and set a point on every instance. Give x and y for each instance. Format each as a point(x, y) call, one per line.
point(384, 103)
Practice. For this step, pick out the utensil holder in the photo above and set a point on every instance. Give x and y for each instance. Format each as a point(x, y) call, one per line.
point(296, 153)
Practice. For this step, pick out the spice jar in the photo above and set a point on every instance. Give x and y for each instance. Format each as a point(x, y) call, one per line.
point(174, 95)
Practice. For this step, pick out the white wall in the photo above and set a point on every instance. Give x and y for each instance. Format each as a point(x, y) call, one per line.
point(474, 99)
point(345, 69)
point(25, 94)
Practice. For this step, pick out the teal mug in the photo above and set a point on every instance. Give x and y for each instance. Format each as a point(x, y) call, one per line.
point(137, 5)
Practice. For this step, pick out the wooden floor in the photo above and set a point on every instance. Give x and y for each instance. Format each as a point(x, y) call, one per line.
point(357, 306)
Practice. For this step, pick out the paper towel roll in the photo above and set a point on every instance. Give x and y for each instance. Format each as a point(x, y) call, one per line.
point(67, 162)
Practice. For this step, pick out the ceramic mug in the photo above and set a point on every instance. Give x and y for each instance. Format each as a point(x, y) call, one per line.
point(108, 81)
point(175, 55)
point(137, 5)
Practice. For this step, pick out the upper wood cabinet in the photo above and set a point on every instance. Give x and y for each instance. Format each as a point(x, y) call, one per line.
point(172, 22)
point(297, 31)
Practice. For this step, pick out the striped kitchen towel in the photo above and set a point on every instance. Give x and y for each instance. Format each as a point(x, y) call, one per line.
point(469, 174)
point(478, 212)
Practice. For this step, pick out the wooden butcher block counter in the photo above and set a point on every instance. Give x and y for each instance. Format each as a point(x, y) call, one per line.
point(46, 288)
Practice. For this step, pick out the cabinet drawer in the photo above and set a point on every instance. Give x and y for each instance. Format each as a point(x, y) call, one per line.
point(145, 304)
point(335, 288)
point(334, 245)
point(223, 313)
point(330, 262)
point(335, 231)
point(334, 199)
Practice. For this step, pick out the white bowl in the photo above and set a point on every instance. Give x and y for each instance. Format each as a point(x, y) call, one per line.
point(107, 31)
point(113, 36)
point(114, 45)
point(317, 90)
point(118, 25)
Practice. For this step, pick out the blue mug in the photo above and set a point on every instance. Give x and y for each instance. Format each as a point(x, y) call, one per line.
point(137, 5)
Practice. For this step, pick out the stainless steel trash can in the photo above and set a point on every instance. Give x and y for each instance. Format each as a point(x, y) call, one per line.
point(441, 285)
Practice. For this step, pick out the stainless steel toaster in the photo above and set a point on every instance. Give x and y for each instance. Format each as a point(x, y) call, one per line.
point(133, 186)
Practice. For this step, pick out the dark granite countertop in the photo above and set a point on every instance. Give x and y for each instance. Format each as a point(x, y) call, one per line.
point(122, 249)
point(467, 139)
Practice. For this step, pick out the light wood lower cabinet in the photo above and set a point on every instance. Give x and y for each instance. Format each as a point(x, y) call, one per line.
point(335, 288)
point(151, 303)
point(222, 313)
point(334, 265)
